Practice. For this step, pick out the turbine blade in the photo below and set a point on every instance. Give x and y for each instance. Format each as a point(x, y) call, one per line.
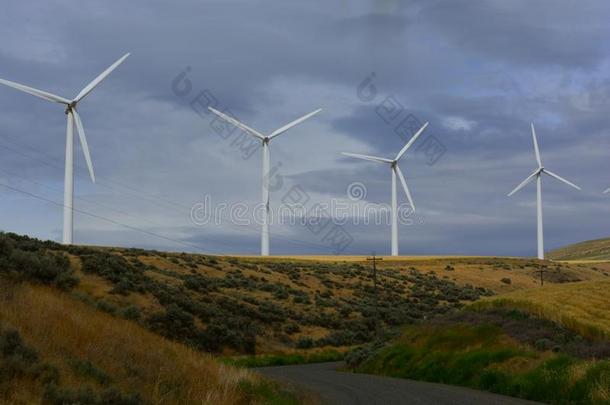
point(536, 149)
point(292, 124)
point(35, 92)
point(238, 124)
point(606, 191)
point(524, 182)
point(558, 177)
point(366, 157)
point(83, 143)
point(99, 79)
point(411, 141)
point(404, 186)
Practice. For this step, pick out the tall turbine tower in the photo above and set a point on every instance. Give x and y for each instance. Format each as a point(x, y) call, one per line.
point(73, 118)
point(537, 174)
point(265, 139)
point(393, 163)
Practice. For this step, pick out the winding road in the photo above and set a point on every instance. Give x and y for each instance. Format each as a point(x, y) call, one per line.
point(337, 387)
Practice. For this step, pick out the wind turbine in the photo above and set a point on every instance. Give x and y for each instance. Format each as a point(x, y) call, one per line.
point(265, 139)
point(395, 172)
point(73, 118)
point(537, 174)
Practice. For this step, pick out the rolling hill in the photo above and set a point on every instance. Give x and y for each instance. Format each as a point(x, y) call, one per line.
point(598, 249)
point(82, 323)
point(234, 305)
point(240, 305)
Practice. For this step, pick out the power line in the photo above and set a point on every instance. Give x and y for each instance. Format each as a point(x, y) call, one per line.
point(55, 189)
point(27, 193)
point(145, 196)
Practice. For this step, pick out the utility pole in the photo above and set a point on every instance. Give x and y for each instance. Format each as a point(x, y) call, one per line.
point(542, 270)
point(375, 259)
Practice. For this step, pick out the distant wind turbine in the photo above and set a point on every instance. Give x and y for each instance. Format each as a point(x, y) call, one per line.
point(537, 174)
point(395, 172)
point(265, 139)
point(73, 117)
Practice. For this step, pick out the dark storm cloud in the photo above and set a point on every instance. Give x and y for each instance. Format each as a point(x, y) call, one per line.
point(520, 32)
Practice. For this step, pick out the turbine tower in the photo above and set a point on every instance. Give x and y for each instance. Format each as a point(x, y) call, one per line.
point(265, 139)
point(393, 163)
point(73, 119)
point(537, 174)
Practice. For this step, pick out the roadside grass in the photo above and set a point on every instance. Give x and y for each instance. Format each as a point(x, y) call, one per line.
point(484, 357)
point(285, 359)
point(581, 307)
point(270, 393)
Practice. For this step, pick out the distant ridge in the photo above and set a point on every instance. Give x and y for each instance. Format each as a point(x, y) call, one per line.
point(597, 249)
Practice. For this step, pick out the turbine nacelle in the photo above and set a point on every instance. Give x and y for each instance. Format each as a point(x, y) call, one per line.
point(70, 107)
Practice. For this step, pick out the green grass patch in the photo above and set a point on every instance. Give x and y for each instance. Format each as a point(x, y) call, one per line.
point(285, 359)
point(483, 357)
point(268, 393)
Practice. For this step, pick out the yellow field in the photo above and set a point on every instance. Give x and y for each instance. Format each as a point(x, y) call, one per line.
point(61, 328)
point(480, 271)
point(583, 307)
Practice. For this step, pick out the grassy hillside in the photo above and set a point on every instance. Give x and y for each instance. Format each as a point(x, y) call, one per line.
point(236, 305)
point(244, 305)
point(582, 307)
point(598, 249)
point(129, 326)
point(549, 344)
point(57, 349)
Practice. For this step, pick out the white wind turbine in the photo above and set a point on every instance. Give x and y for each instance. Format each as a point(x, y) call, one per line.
point(395, 172)
point(537, 174)
point(265, 139)
point(73, 118)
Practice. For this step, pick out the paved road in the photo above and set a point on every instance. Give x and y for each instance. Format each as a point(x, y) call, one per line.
point(336, 387)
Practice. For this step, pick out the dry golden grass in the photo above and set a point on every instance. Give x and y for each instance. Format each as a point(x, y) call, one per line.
point(480, 271)
point(583, 307)
point(60, 328)
point(598, 249)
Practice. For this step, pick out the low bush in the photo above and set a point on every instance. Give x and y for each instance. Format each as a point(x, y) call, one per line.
point(23, 258)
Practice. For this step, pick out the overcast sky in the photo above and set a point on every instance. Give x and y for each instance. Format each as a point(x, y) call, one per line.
point(478, 71)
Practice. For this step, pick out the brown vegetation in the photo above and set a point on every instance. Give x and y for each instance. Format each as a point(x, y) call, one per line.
point(65, 332)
